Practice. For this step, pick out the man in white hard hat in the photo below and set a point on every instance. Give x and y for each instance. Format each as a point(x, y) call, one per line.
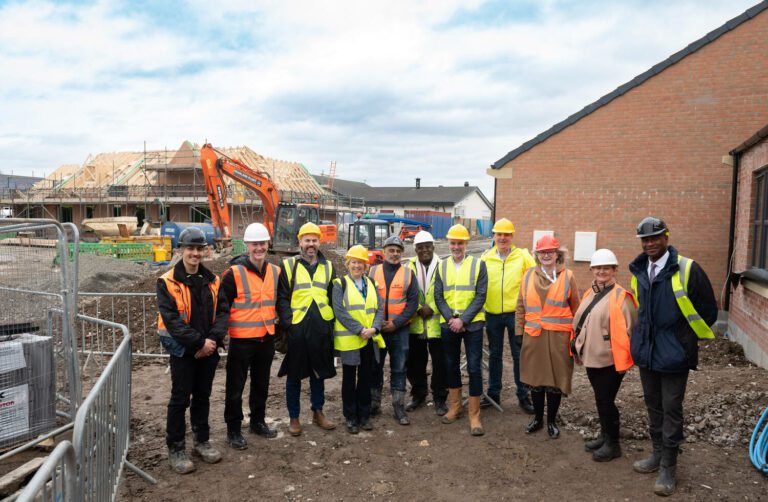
point(249, 287)
point(425, 330)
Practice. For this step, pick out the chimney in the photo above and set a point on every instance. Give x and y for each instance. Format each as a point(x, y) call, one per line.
point(418, 183)
point(466, 183)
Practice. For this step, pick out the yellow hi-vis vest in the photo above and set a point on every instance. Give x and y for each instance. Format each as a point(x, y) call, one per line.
point(359, 309)
point(308, 289)
point(433, 323)
point(459, 288)
point(680, 289)
point(504, 278)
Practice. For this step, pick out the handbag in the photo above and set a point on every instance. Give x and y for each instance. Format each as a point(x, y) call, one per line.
point(599, 296)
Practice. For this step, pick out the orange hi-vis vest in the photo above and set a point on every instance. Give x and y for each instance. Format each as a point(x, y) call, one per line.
point(394, 297)
point(252, 313)
point(622, 358)
point(556, 313)
point(180, 292)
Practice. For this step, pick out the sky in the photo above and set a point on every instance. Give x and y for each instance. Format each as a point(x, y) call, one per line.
point(390, 91)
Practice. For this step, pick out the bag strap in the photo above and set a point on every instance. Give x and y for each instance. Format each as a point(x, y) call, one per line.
point(599, 296)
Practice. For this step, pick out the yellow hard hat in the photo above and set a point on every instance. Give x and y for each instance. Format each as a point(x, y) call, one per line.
point(309, 228)
point(458, 233)
point(503, 226)
point(357, 252)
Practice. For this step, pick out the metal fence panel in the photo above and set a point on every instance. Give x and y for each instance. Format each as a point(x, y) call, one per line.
point(55, 479)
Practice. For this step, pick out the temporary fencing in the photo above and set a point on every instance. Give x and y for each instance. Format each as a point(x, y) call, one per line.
point(55, 480)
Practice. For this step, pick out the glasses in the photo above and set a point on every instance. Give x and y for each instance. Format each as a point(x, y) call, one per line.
point(547, 252)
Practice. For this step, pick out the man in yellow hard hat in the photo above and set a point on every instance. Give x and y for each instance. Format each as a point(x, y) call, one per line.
point(506, 265)
point(460, 288)
point(305, 311)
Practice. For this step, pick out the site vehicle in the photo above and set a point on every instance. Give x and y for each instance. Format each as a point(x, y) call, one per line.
point(283, 220)
point(409, 227)
point(370, 233)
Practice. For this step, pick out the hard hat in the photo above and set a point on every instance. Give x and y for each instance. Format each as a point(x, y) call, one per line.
point(503, 226)
point(421, 237)
point(192, 236)
point(309, 228)
point(357, 252)
point(458, 232)
point(547, 243)
point(393, 240)
point(256, 232)
point(603, 257)
point(651, 226)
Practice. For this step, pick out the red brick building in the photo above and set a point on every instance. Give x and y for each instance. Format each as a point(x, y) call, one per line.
point(654, 146)
point(748, 315)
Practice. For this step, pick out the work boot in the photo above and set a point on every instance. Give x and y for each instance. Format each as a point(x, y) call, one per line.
point(415, 402)
point(375, 402)
point(596, 443)
point(398, 397)
point(319, 420)
point(552, 430)
point(352, 427)
point(366, 424)
point(455, 408)
point(526, 405)
point(236, 440)
point(263, 430)
point(179, 461)
point(666, 481)
point(609, 450)
point(294, 427)
point(208, 453)
point(535, 424)
point(440, 407)
point(649, 464)
point(474, 416)
point(486, 403)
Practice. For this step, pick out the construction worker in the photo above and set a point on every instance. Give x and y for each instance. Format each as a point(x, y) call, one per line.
point(249, 287)
point(356, 336)
point(305, 311)
point(191, 328)
point(461, 284)
point(506, 265)
point(602, 324)
point(424, 330)
point(400, 293)
point(676, 307)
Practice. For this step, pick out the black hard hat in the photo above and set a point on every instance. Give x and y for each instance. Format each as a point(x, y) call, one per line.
point(192, 236)
point(651, 226)
point(394, 240)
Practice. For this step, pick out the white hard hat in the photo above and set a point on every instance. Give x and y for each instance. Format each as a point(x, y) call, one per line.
point(603, 257)
point(256, 232)
point(422, 236)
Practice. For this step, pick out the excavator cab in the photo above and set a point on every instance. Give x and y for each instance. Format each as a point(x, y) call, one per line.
point(288, 220)
point(371, 234)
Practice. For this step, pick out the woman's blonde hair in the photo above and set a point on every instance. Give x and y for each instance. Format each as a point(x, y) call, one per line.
point(562, 255)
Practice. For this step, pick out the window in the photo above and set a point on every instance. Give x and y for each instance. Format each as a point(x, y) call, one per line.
point(116, 211)
point(89, 211)
point(65, 214)
point(199, 214)
point(760, 221)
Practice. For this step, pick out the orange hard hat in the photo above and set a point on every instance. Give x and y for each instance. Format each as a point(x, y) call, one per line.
point(547, 243)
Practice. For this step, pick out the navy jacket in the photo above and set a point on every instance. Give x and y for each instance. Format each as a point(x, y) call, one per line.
point(662, 339)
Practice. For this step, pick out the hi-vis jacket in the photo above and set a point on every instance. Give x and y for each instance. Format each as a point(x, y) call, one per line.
point(252, 308)
point(432, 326)
point(362, 312)
point(555, 314)
point(504, 278)
point(307, 290)
point(462, 293)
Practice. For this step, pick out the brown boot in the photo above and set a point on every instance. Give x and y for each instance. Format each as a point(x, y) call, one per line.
point(319, 420)
point(474, 416)
point(294, 428)
point(455, 409)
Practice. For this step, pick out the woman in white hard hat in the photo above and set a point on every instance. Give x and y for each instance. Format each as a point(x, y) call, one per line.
point(602, 325)
point(359, 312)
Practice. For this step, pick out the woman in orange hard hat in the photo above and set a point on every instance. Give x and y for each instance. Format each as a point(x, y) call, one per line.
point(544, 318)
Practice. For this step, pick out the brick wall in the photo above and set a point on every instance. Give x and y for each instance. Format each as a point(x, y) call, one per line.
point(656, 150)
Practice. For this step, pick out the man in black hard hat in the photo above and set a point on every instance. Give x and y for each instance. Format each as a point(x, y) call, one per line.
point(677, 306)
point(191, 327)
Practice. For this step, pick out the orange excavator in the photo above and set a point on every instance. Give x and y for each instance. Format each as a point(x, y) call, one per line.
point(283, 220)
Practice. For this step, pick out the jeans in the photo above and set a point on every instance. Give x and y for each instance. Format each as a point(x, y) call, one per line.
point(473, 346)
point(190, 377)
point(605, 383)
point(356, 386)
point(494, 328)
point(254, 354)
point(397, 348)
point(419, 353)
point(293, 393)
point(664, 394)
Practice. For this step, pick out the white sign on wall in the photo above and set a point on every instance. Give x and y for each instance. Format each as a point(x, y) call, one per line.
point(538, 234)
point(585, 244)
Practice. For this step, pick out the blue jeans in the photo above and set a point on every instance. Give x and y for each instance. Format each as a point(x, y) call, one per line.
point(494, 328)
point(397, 348)
point(473, 346)
point(293, 394)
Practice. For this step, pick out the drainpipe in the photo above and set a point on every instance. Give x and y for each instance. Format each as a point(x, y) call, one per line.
point(495, 200)
point(732, 229)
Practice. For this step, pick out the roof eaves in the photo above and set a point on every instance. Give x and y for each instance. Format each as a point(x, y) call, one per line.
point(756, 138)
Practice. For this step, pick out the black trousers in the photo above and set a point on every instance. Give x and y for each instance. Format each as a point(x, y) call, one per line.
point(420, 351)
point(606, 383)
point(664, 394)
point(190, 378)
point(356, 385)
point(254, 355)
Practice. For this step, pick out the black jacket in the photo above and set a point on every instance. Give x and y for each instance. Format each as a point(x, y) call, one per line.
point(662, 339)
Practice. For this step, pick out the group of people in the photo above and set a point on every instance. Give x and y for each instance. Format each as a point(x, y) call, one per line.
point(426, 307)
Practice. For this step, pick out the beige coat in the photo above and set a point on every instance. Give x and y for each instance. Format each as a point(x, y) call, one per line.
point(545, 360)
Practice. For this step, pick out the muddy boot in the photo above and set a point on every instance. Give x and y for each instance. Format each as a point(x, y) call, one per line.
point(319, 420)
point(474, 416)
point(650, 464)
point(398, 399)
point(375, 402)
point(594, 444)
point(455, 408)
point(415, 402)
point(208, 453)
point(178, 459)
point(294, 427)
point(440, 406)
point(608, 451)
point(666, 482)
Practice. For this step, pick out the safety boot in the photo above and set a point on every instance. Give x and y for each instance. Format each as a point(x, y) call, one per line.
point(319, 420)
point(398, 398)
point(474, 416)
point(609, 450)
point(205, 451)
point(440, 407)
point(415, 402)
point(594, 444)
point(294, 427)
point(649, 464)
point(455, 408)
point(375, 402)
point(666, 481)
point(178, 459)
